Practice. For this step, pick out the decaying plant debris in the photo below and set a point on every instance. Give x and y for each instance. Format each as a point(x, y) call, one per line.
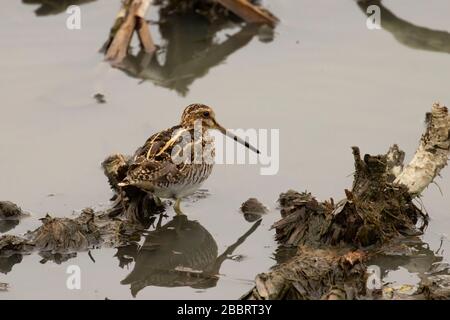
point(253, 210)
point(131, 18)
point(122, 226)
point(324, 247)
point(10, 211)
point(10, 216)
point(335, 239)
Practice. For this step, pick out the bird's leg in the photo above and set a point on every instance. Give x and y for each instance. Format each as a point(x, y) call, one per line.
point(177, 208)
point(157, 200)
point(158, 225)
point(123, 199)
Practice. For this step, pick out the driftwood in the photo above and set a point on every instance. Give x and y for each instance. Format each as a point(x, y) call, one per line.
point(131, 18)
point(333, 241)
point(324, 249)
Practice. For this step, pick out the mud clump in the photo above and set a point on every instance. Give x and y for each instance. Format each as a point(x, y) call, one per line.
point(10, 211)
point(253, 209)
point(10, 215)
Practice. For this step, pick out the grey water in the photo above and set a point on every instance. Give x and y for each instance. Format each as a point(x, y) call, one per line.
point(325, 81)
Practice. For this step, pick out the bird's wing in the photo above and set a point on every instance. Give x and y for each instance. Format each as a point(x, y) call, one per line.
point(149, 170)
point(153, 161)
point(159, 146)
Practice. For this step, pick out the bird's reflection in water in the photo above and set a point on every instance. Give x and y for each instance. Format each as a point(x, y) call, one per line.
point(192, 47)
point(179, 253)
point(50, 7)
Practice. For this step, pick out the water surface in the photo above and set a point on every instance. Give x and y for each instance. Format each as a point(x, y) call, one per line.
point(325, 81)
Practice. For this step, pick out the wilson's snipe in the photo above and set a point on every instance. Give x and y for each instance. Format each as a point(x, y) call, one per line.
point(172, 163)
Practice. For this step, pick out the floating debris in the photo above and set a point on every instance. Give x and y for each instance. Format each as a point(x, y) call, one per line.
point(10, 215)
point(377, 211)
point(100, 98)
point(237, 257)
point(253, 210)
point(10, 211)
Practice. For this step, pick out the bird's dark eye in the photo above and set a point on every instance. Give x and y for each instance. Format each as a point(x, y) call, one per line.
point(206, 114)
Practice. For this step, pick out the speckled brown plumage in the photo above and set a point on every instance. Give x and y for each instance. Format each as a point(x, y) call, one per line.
point(153, 168)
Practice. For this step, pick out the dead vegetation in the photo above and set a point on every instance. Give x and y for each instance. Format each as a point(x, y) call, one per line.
point(10, 216)
point(324, 247)
point(334, 240)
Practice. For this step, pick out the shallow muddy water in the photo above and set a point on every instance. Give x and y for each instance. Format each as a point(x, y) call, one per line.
point(325, 81)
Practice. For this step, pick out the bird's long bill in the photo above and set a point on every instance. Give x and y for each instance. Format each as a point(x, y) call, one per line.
point(236, 138)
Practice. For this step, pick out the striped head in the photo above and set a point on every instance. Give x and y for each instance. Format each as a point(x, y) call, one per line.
point(200, 112)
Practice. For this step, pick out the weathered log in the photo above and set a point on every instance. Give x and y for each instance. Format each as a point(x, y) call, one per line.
point(432, 154)
point(377, 211)
point(332, 241)
point(130, 18)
